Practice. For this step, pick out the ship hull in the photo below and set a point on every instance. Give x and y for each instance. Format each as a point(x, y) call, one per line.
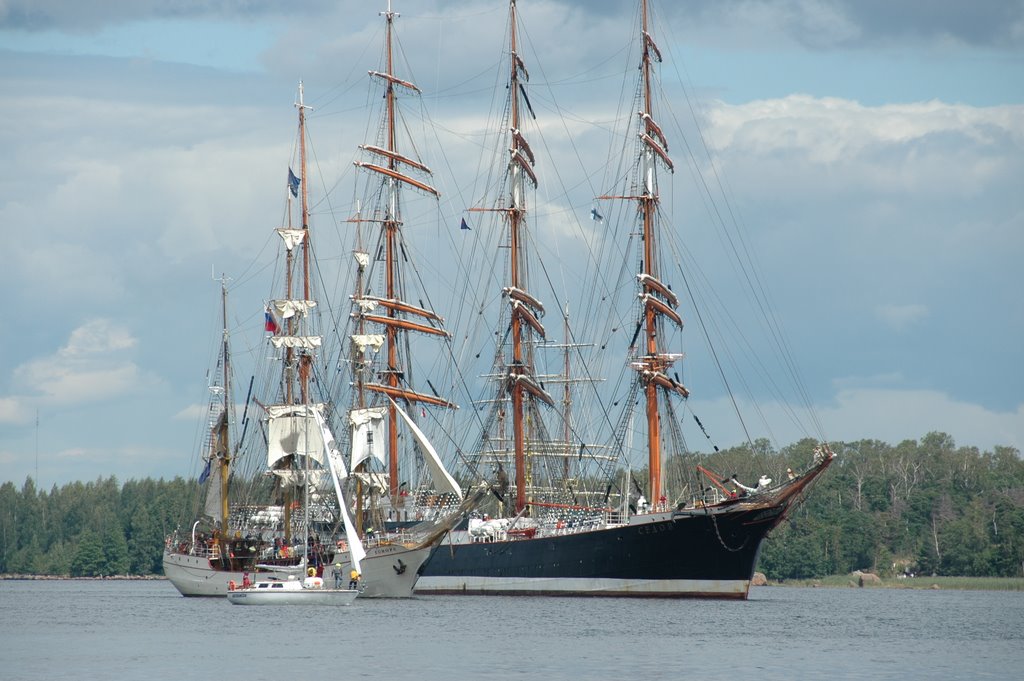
point(195, 575)
point(695, 553)
point(387, 571)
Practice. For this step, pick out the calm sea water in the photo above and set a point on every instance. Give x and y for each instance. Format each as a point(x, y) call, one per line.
point(131, 630)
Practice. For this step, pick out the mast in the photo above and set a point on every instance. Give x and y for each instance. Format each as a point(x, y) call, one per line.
point(657, 299)
point(298, 357)
point(648, 204)
point(391, 310)
point(224, 434)
point(566, 391)
point(305, 358)
point(525, 307)
point(390, 234)
point(655, 149)
point(517, 211)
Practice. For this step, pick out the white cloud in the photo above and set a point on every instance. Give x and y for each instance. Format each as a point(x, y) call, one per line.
point(892, 415)
point(93, 365)
point(843, 134)
point(14, 410)
point(900, 317)
point(887, 414)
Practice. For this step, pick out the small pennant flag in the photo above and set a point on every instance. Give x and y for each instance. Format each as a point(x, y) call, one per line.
point(465, 225)
point(595, 216)
point(293, 183)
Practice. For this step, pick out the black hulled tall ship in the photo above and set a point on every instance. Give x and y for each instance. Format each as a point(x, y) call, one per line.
point(551, 527)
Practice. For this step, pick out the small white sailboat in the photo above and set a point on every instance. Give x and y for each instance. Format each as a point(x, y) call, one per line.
point(310, 591)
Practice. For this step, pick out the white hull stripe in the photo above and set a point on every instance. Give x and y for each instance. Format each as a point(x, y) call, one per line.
point(667, 588)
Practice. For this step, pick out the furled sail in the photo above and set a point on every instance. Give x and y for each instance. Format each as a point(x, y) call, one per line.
point(305, 342)
point(368, 340)
point(315, 478)
point(286, 309)
point(395, 157)
point(397, 176)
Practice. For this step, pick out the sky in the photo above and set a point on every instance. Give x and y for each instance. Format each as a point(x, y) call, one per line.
point(874, 149)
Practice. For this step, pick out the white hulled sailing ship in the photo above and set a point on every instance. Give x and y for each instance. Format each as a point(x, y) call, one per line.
point(274, 522)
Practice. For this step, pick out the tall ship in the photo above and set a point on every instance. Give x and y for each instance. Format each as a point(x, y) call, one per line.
point(405, 500)
point(277, 499)
point(270, 500)
point(566, 517)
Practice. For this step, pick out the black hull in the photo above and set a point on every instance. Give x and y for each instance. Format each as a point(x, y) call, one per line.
point(692, 553)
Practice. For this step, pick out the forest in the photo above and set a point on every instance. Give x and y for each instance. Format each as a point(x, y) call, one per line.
point(924, 507)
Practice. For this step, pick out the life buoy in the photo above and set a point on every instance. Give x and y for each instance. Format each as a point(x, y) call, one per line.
point(231, 585)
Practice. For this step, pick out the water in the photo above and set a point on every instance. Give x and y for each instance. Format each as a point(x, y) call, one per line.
point(130, 630)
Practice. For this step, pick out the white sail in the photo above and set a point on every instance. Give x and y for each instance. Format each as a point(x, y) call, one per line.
point(293, 430)
point(338, 473)
point(367, 434)
point(443, 480)
point(292, 237)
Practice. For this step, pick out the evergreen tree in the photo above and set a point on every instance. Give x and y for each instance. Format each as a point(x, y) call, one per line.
point(89, 560)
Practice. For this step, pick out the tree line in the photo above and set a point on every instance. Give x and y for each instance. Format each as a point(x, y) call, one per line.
point(925, 506)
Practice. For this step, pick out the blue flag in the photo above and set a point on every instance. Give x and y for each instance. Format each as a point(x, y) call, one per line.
point(205, 474)
point(594, 215)
point(293, 183)
point(464, 225)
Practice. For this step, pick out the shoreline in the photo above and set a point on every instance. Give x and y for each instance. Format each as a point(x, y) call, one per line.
point(830, 582)
point(44, 578)
point(911, 583)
